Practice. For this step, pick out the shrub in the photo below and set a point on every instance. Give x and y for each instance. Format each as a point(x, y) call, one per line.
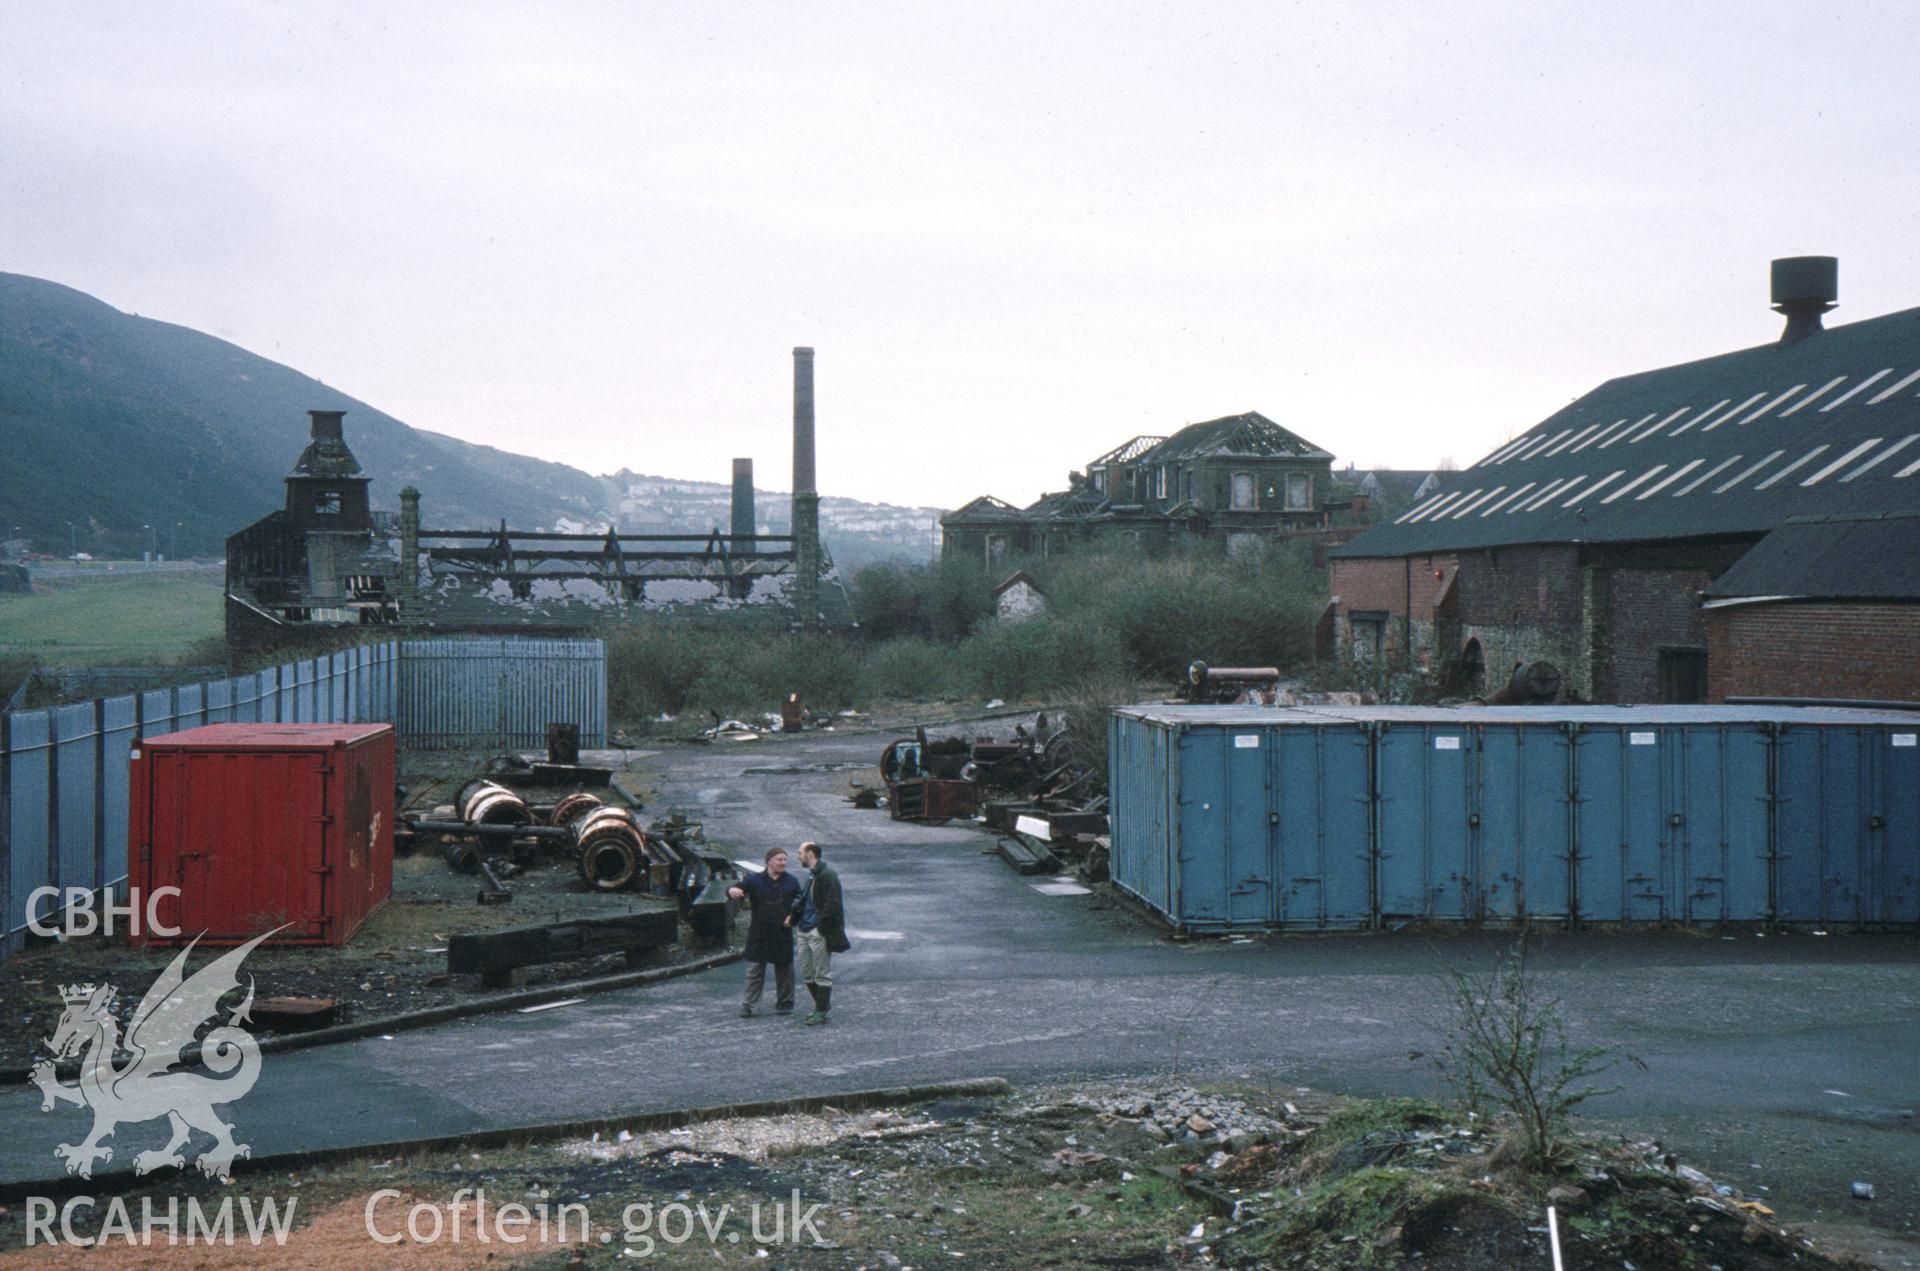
point(1504, 1045)
point(652, 669)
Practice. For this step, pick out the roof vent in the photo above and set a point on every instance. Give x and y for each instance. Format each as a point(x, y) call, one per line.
point(1804, 287)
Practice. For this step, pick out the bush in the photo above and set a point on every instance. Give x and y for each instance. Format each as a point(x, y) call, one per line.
point(652, 669)
point(1504, 1045)
point(1034, 657)
point(912, 669)
point(940, 602)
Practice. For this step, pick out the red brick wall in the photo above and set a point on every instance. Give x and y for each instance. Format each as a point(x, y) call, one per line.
point(1384, 584)
point(1814, 650)
point(1646, 610)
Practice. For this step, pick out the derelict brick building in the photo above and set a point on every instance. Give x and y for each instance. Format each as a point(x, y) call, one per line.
point(1227, 481)
point(1742, 525)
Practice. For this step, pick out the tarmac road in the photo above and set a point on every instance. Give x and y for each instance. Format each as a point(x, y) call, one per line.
point(1785, 1062)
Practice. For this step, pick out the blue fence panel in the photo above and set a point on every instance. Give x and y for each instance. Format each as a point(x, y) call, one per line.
point(118, 734)
point(189, 707)
point(478, 692)
point(219, 702)
point(32, 793)
point(76, 774)
point(1521, 821)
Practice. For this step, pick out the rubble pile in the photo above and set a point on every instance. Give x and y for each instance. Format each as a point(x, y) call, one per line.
point(1044, 802)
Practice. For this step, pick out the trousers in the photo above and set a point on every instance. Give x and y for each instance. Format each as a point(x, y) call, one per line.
point(782, 984)
point(816, 960)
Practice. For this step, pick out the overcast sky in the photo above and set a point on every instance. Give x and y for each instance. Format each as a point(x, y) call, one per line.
point(1017, 235)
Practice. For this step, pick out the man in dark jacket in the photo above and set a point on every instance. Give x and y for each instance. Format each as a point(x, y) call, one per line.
point(769, 931)
point(821, 920)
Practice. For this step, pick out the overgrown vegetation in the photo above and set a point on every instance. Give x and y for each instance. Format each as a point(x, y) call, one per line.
point(1504, 1049)
point(1114, 622)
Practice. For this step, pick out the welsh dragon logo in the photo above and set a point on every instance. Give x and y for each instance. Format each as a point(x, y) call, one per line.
point(144, 1087)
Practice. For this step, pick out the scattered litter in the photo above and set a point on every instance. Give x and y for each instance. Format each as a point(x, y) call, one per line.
point(548, 1006)
point(1863, 1191)
point(1061, 887)
point(1843, 1094)
point(996, 704)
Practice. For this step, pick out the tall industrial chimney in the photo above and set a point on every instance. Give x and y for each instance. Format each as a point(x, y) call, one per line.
point(1804, 287)
point(806, 500)
point(743, 525)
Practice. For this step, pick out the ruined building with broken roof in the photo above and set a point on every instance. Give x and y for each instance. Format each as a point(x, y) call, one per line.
point(1227, 481)
point(1747, 525)
point(326, 561)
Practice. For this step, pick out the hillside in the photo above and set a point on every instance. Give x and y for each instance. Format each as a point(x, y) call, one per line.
point(114, 422)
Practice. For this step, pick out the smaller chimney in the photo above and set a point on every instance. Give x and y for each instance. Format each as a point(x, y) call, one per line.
point(326, 425)
point(1804, 287)
point(743, 514)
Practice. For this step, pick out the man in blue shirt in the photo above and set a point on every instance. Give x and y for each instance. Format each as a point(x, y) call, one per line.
point(822, 922)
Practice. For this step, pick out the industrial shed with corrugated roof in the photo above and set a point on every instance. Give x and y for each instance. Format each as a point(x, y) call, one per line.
point(1591, 539)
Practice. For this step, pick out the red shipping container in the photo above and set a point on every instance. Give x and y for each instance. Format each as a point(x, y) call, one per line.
point(260, 825)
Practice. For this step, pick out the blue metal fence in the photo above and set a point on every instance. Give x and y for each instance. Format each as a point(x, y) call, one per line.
point(461, 692)
point(63, 770)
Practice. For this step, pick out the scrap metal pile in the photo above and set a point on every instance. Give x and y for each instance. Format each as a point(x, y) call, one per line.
point(1034, 789)
point(515, 816)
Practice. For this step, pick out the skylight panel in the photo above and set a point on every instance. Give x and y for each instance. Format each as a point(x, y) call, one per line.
point(1416, 511)
point(1584, 432)
point(1793, 467)
point(1861, 387)
point(1877, 398)
point(1881, 458)
point(1492, 508)
point(1474, 503)
point(1601, 484)
point(1908, 471)
point(1634, 484)
point(1508, 449)
point(1668, 480)
point(1603, 432)
point(1757, 465)
point(1526, 455)
point(1571, 486)
point(1842, 461)
point(1640, 437)
point(1814, 396)
point(1707, 476)
point(1770, 405)
point(1546, 492)
point(1721, 419)
point(1444, 501)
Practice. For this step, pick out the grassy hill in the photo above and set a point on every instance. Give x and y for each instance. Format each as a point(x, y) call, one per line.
point(113, 422)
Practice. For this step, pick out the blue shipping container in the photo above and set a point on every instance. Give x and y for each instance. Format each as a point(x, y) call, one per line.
point(1326, 817)
point(1230, 821)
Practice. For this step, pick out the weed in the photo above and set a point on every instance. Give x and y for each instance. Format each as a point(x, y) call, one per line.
point(1504, 1046)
